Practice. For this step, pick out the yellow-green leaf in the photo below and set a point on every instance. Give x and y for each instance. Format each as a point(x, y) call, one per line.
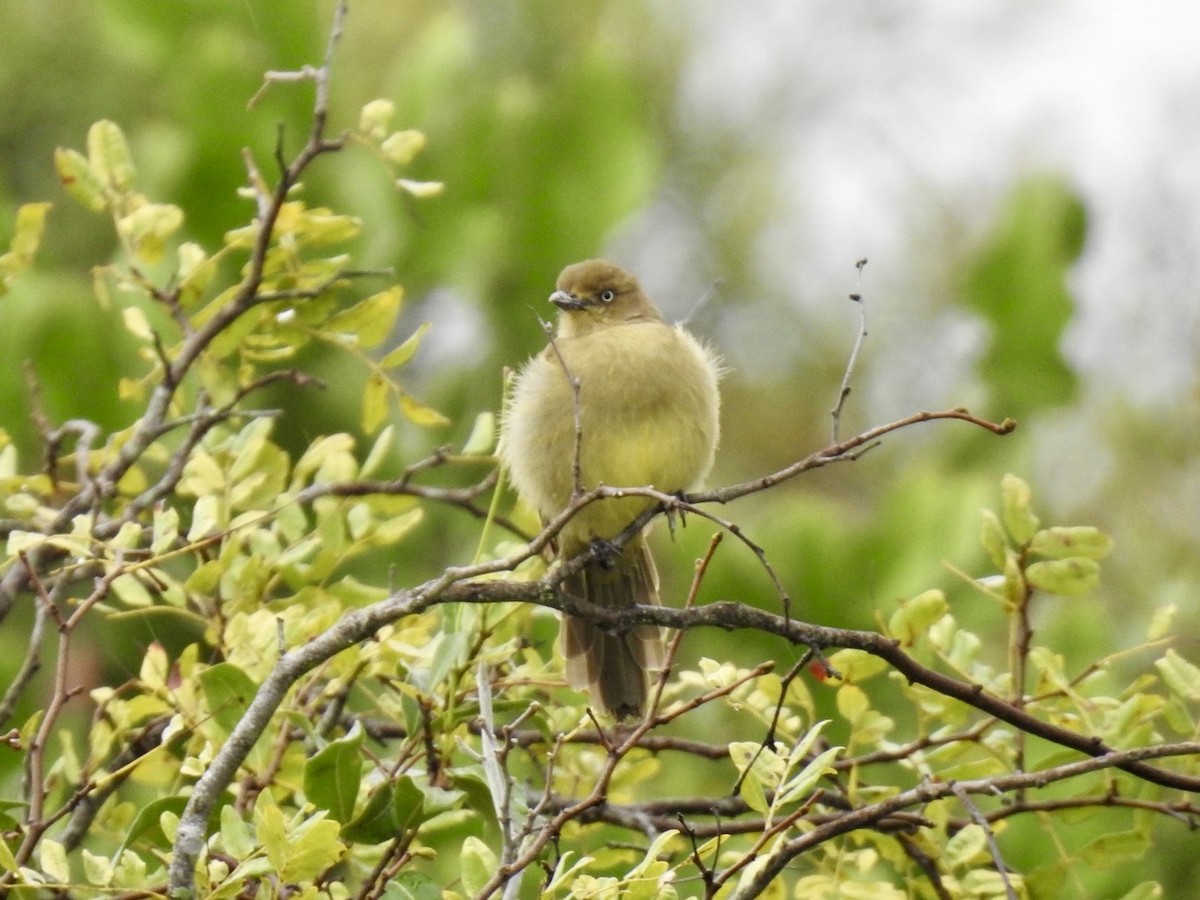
point(1115, 848)
point(54, 860)
point(147, 228)
point(478, 861)
point(1181, 676)
point(27, 235)
point(271, 830)
point(856, 665)
point(97, 869)
point(852, 702)
point(195, 273)
point(1068, 577)
point(132, 592)
point(136, 323)
point(379, 452)
point(108, 152)
point(483, 435)
point(402, 146)
point(1160, 623)
point(962, 849)
point(1017, 500)
point(369, 320)
point(801, 785)
point(375, 118)
point(402, 354)
point(761, 769)
point(374, 404)
point(992, 538)
point(915, 616)
point(235, 834)
point(312, 848)
point(420, 414)
point(1060, 542)
point(420, 189)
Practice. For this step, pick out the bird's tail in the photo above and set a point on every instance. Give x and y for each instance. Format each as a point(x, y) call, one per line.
point(612, 665)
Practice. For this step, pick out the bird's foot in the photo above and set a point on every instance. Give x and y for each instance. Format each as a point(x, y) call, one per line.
point(605, 552)
point(675, 508)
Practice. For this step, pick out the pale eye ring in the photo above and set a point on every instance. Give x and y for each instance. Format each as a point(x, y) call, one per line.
point(608, 295)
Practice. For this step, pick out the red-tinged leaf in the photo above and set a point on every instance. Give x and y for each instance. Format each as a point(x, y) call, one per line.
point(80, 180)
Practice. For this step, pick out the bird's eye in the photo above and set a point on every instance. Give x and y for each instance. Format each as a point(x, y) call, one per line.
point(608, 296)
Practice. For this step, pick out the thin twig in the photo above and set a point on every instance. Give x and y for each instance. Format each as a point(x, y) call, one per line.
point(576, 410)
point(844, 391)
point(979, 819)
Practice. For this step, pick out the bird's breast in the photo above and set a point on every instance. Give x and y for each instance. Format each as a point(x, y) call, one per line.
point(648, 415)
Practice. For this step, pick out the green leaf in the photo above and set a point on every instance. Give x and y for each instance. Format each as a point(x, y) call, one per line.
point(79, 179)
point(799, 786)
point(370, 320)
point(333, 774)
point(1062, 542)
point(1116, 848)
point(1067, 577)
point(108, 152)
point(379, 452)
point(377, 821)
point(403, 353)
point(147, 825)
point(235, 834)
point(410, 885)
point(482, 439)
point(408, 804)
point(228, 692)
point(1181, 676)
point(478, 862)
point(1016, 500)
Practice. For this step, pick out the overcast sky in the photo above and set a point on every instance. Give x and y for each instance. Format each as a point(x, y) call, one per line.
point(886, 116)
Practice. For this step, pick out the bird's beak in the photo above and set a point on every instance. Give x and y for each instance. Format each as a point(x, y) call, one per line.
point(566, 300)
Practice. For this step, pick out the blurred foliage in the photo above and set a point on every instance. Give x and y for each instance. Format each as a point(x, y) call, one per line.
point(550, 125)
point(1018, 282)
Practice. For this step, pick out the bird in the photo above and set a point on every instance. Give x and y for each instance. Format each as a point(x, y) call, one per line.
point(622, 398)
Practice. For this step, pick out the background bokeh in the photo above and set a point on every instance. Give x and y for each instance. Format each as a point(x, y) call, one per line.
point(1021, 177)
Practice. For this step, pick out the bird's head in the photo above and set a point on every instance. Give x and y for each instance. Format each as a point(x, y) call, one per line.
point(595, 293)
